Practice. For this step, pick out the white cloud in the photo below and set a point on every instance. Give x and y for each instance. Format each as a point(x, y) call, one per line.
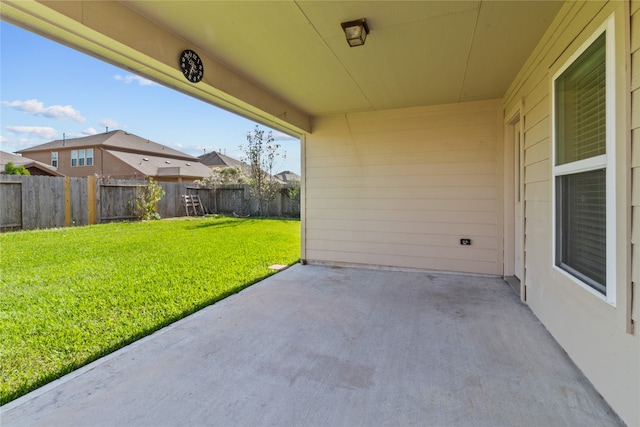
point(81, 134)
point(130, 78)
point(236, 154)
point(281, 136)
point(38, 131)
point(33, 106)
point(2, 139)
point(71, 135)
point(109, 123)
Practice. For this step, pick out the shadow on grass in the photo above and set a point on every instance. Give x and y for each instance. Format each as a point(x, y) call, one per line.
point(229, 221)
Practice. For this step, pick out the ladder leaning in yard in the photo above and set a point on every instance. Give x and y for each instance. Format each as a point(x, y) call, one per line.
point(193, 204)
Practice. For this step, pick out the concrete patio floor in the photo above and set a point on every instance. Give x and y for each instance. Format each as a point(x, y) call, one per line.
point(323, 346)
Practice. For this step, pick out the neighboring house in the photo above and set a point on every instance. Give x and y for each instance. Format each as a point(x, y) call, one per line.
point(288, 177)
point(453, 121)
point(118, 154)
point(34, 167)
point(219, 160)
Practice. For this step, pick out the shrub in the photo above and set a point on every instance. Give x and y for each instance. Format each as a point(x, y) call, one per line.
point(10, 169)
point(146, 202)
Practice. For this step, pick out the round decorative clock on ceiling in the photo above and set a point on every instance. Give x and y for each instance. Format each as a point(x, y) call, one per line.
point(191, 66)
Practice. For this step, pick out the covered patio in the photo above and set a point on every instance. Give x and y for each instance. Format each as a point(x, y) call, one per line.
point(318, 345)
point(433, 147)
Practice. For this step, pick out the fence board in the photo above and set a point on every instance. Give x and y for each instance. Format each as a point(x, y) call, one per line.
point(79, 196)
point(232, 198)
point(42, 202)
point(170, 206)
point(117, 198)
point(10, 204)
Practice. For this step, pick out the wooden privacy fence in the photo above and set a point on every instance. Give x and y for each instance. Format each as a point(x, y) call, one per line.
point(30, 202)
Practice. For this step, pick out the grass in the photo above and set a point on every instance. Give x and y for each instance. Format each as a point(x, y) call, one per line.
point(69, 296)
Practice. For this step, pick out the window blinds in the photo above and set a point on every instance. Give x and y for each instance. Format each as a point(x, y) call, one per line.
point(581, 98)
point(584, 226)
point(580, 93)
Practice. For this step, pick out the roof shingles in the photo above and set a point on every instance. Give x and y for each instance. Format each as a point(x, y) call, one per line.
point(116, 139)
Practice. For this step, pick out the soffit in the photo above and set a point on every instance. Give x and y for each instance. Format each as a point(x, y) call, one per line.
point(418, 52)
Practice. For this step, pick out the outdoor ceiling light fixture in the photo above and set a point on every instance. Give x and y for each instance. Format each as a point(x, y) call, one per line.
point(355, 31)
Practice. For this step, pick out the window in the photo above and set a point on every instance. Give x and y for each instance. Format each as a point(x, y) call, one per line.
point(82, 157)
point(584, 138)
point(54, 159)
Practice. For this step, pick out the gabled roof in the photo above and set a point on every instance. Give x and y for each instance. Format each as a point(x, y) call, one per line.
point(117, 140)
point(288, 176)
point(150, 165)
point(27, 163)
point(218, 159)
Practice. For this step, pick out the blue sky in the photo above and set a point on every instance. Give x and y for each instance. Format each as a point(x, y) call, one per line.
point(48, 89)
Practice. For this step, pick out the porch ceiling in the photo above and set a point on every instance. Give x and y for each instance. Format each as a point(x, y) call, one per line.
point(283, 62)
point(417, 53)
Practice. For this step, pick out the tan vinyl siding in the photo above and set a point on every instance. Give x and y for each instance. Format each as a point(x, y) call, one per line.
point(538, 132)
point(538, 152)
point(400, 188)
point(536, 172)
point(591, 331)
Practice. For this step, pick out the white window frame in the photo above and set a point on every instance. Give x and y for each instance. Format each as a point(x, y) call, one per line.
point(54, 159)
point(81, 157)
point(593, 163)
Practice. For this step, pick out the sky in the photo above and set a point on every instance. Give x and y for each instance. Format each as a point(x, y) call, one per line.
point(48, 90)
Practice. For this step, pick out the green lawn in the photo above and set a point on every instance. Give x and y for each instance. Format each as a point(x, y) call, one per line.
point(69, 296)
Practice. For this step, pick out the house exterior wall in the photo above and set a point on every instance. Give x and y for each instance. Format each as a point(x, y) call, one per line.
point(635, 158)
point(112, 167)
point(400, 188)
point(36, 171)
point(592, 331)
point(104, 165)
point(64, 161)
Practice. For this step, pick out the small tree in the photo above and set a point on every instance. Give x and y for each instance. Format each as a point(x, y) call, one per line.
point(222, 176)
point(261, 154)
point(147, 198)
point(10, 169)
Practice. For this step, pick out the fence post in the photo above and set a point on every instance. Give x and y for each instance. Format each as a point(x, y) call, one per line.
point(92, 190)
point(67, 201)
